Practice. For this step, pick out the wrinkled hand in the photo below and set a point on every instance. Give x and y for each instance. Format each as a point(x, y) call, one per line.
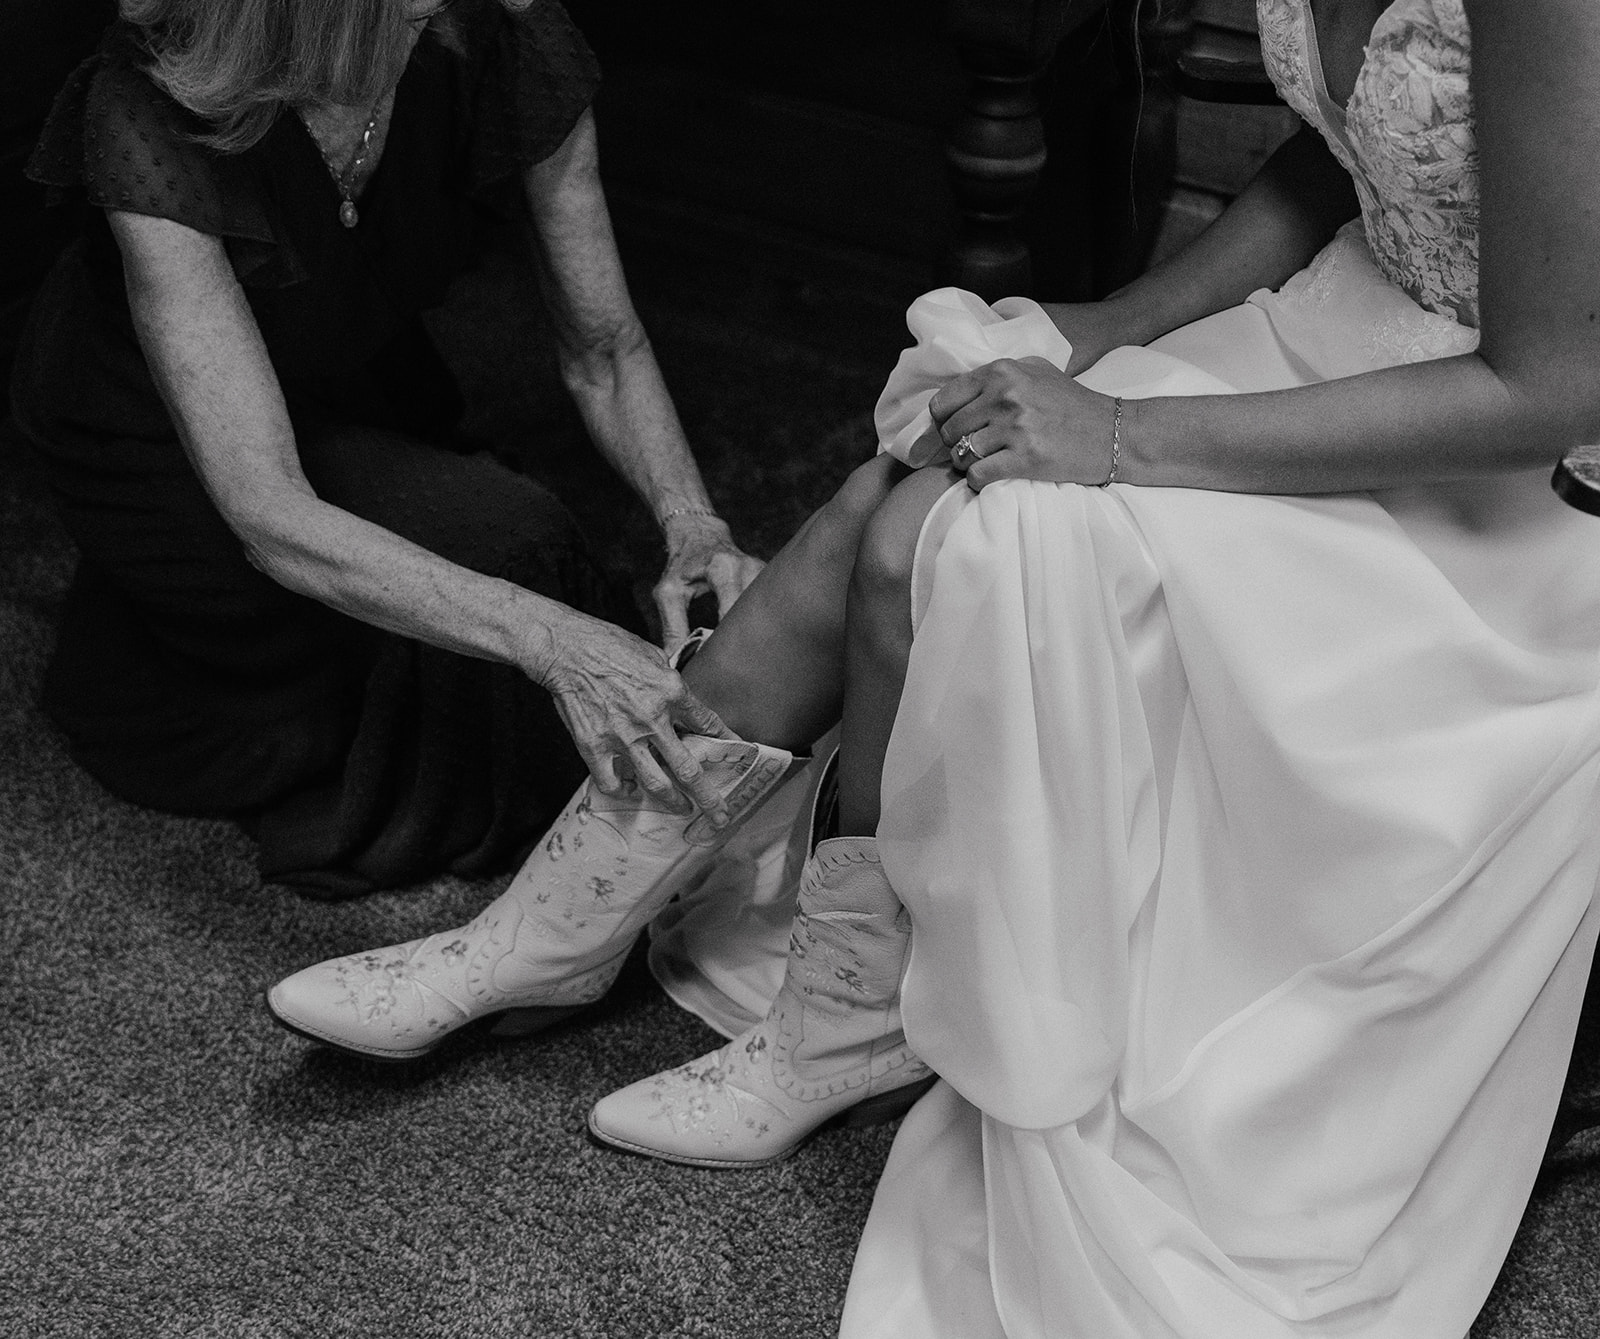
point(624, 705)
point(701, 557)
point(1026, 420)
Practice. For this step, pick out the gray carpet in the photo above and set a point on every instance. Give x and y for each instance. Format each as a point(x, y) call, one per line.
point(173, 1165)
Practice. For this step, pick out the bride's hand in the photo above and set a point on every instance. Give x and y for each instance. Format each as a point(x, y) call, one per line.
point(1025, 419)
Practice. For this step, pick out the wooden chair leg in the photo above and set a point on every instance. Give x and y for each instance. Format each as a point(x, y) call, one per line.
point(996, 149)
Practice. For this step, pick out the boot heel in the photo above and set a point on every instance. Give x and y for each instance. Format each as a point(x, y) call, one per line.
point(515, 1023)
point(885, 1106)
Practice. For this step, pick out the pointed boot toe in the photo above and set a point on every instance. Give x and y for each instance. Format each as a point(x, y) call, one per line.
point(367, 1004)
point(635, 1120)
point(731, 1110)
point(703, 1114)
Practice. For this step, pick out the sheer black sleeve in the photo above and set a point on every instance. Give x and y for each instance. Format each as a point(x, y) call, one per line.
point(538, 75)
point(124, 144)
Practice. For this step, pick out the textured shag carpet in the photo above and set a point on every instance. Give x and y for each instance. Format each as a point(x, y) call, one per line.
point(171, 1164)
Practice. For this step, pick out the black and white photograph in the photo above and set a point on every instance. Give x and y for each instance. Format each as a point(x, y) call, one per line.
point(799, 669)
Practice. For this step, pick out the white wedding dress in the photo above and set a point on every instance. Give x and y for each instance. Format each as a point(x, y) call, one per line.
point(1251, 843)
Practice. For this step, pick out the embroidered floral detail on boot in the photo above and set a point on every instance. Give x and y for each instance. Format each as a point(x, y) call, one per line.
point(831, 1040)
point(704, 1099)
point(391, 988)
point(556, 938)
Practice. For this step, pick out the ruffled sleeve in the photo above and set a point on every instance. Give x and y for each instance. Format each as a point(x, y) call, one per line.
point(538, 76)
point(117, 139)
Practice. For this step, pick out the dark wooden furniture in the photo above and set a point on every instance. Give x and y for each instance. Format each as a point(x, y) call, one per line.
point(995, 149)
point(914, 144)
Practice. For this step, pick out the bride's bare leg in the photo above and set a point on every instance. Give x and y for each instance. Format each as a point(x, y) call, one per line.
point(878, 643)
point(832, 1039)
point(774, 671)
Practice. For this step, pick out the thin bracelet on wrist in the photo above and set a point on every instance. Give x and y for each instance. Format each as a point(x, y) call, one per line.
point(666, 516)
point(1116, 442)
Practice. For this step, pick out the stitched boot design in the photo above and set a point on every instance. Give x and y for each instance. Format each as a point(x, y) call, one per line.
point(830, 1047)
point(555, 939)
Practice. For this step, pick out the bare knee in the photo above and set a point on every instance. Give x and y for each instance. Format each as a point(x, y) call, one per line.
point(888, 545)
point(867, 488)
point(833, 533)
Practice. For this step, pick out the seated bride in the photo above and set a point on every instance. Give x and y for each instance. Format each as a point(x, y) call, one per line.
point(1219, 713)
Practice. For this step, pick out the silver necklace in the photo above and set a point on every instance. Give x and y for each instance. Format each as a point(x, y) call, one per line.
point(345, 180)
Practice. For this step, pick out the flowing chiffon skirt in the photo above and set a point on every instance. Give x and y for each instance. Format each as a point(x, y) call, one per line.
point(1251, 848)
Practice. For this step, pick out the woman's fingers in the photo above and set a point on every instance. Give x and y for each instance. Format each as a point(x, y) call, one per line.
point(728, 587)
point(655, 758)
point(929, 444)
point(1024, 418)
point(956, 409)
point(691, 778)
point(972, 447)
point(731, 576)
point(672, 598)
point(1001, 464)
point(663, 765)
point(701, 557)
point(974, 413)
point(641, 761)
point(971, 420)
point(690, 712)
point(958, 392)
point(603, 768)
point(624, 707)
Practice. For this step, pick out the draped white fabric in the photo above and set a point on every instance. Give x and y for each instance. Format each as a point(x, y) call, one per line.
point(1250, 842)
point(1250, 845)
point(719, 948)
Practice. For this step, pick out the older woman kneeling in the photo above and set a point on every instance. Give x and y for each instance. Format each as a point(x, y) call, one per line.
point(303, 600)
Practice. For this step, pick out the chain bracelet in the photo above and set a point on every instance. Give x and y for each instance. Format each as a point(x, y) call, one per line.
point(1116, 441)
point(666, 516)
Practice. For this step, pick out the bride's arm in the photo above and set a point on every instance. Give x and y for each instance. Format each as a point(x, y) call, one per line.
point(1530, 392)
point(1288, 212)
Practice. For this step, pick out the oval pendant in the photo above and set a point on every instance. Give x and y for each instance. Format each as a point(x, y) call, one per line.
point(348, 215)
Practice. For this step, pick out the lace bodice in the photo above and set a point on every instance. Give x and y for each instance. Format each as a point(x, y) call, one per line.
point(1406, 138)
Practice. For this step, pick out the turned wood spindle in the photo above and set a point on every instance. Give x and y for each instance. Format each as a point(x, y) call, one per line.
point(996, 148)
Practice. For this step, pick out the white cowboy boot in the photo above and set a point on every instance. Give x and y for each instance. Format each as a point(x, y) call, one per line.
point(830, 1049)
point(554, 941)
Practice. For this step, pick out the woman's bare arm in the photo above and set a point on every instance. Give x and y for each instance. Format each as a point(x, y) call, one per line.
point(1288, 212)
point(610, 368)
point(1529, 393)
point(206, 355)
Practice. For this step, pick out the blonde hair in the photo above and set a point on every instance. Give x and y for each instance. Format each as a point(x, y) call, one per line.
point(237, 63)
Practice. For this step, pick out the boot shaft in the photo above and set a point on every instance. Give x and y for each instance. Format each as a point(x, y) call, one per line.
point(846, 955)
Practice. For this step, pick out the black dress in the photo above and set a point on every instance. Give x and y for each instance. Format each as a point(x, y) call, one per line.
point(185, 679)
